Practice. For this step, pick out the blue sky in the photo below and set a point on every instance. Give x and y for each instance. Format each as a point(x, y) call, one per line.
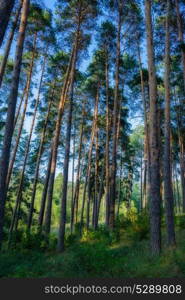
point(49, 3)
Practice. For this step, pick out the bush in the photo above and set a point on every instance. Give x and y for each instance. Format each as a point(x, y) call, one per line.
point(102, 235)
point(139, 228)
point(92, 259)
point(180, 221)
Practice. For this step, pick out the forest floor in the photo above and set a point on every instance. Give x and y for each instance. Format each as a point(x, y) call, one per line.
point(97, 255)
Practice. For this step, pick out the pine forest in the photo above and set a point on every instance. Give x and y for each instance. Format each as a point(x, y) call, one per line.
point(92, 138)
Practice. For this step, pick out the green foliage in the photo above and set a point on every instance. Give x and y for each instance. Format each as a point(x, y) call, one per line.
point(136, 225)
point(94, 257)
point(180, 221)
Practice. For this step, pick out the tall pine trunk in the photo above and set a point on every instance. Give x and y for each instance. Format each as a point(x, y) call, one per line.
point(63, 211)
point(40, 147)
point(5, 156)
point(14, 152)
point(115, 123)
point(146, 143)
point(74, 212)
point(155, 203)
point(44, 193)
point(87, 177)
point(107, 174)
point(168, 190)
point(20, 188)
point(56, 143)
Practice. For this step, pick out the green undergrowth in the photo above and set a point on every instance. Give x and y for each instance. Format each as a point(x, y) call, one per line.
point(123, 253)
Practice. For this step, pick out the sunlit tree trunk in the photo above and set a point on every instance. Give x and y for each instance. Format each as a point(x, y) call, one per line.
point(55, 144)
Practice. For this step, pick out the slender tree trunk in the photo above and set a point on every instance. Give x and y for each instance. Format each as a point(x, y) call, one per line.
point(90, 160)
point(182, 154)
point(62, 226)
point(11, 114)
point(72, 187)
point(20, 188)
point(168, 191)
point(182, 169)
point(119, 191)
point(6, 7)
point(100, 195)
point(107, 175)
point(95, 206)
point(145, 176)
point(74, 212)
point(146, 146)
point(155, 203)
point(9, 43)
point(177, 188)
point(44, 193)
point(23, 114)
point(56, 142)
point(87, 178)
point(20, 105)
point(40, 146)
point(141, 184)
point(115, 123)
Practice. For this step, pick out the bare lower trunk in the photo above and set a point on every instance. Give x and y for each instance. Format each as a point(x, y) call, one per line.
point(74, 212)
point(40, 147)
point(95, 206)
point(146, 144)
point(72, 187)
point(155, 203)
point(62, 226)
point(44, 193)
point(177, 188)
point(87, 178)
point(107, 175)
point(115, 123)
point(168, 191)
point(100, 195)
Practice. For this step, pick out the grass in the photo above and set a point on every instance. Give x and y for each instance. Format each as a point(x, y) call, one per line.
point(98, 255)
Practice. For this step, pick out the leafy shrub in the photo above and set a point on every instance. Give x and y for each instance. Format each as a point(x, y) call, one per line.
point(139, 229)
point(180, 221)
